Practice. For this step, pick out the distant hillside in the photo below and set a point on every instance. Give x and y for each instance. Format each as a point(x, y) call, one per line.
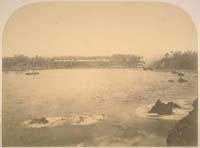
point(178, 60)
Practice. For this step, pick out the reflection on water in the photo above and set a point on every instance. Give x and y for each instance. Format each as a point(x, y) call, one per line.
point(112, 100)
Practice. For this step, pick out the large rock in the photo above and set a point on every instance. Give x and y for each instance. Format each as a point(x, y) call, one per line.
point(185, 131)
point(164, 109)
point(41, 120)
point(181, 80)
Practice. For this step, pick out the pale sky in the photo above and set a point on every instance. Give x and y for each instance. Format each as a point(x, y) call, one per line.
point(90, 28)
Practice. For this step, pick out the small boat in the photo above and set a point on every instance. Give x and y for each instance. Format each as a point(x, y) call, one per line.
point(32, 73)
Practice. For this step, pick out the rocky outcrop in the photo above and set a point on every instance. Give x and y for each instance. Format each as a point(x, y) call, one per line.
point(164, 109)
point(181, 80)
point(185, 131)
point(41, 120)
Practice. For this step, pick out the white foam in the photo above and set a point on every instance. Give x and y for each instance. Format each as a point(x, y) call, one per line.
point(52, 122)
point(82, 119)
point(86, 119)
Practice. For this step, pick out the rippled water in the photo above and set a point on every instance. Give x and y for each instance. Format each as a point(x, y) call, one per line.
point(113, 103)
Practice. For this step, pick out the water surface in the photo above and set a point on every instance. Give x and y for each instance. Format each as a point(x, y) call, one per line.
point(120, 96)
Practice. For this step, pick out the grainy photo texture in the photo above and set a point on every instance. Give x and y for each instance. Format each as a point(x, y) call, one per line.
point(99, 74)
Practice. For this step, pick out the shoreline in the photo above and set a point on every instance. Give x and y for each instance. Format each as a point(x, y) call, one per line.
point(117, 67)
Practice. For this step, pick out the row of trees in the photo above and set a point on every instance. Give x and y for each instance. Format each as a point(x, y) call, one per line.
point(172, 60)
point(178, 60)
point(21, 62)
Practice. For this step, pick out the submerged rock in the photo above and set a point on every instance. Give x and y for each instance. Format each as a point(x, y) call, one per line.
point(150, 68)
point(185, 131)
point(147, 68)
point(41, 120)
point(163, 109)
point(181, 80)
point(171, 81)
point(174, 72)
point(180, 74)
point(81, 119)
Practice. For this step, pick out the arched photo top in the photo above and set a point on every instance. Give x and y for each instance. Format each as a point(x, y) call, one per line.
point(98, 28)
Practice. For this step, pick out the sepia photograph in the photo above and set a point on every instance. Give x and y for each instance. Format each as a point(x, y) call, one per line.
point(98, 74)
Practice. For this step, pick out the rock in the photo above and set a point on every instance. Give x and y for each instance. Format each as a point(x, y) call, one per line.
point(163, 109)
point(185, 131)
point(195, 104)
point(81, 119)
point(41, 120)
point(150, 68)
point(174, 72)
point(173, 105)
point(171, 81)
point(181, 80)
point(144, 69)
point(147, 68)
point(180, 74)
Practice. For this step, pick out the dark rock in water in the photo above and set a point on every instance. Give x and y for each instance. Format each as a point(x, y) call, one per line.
point(180, 74)
point(81, 119)
point(147, 68)
point(144, 68)
point(173, 105)
point(174, 72)
point(171, 81)
point(185, 131)
point(163, 109)
point(195, 104)
point(181, 80)
point(150, 68)
point(41, 120)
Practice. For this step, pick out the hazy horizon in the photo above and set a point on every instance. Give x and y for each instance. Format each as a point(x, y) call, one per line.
point(148, 29)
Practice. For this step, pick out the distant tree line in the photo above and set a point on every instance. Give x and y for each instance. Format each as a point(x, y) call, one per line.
point(178, 60)
point(21, 62)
